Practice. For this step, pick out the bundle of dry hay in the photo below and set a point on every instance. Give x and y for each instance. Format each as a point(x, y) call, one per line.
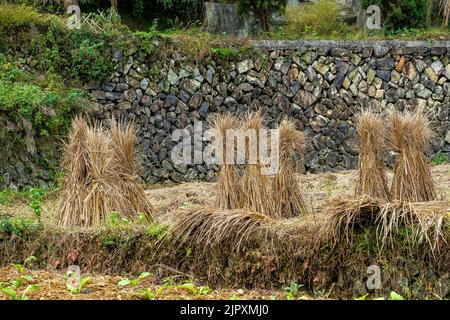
point(372, 147)
point(205, 228)
point(423, 220)
point(278, 195)
point(229, 184)
point(286, 195)
point(100, 175)
point(412, 175)
point(257, 187)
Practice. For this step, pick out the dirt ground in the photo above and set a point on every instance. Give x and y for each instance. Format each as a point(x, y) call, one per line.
point(52, 283)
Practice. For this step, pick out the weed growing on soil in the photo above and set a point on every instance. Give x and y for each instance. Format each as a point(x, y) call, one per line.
point(134, 281)
point(12, 288)
point(169, 285)
point(293, 290)
point(440, 158)
point(78, 288)
point(20, 226)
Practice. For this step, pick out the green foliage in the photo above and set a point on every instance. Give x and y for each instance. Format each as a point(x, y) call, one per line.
point(89, 61)
point(158, 231)
point(440, 158)
point(36, 202)
point(169, 283)
point(401, 14)
point(148, 41)
point(314, 20)
point(81, 54)
point(293, 290)
point(19, 16)
point(395, 296)
point(228, 53)
point(115, 219)
point(20, 226)
point(47, 106)
point(134, 281)
point(77, 289)
point(12, 288)
point(191, 288)
point(6, 196)
point(15, 295)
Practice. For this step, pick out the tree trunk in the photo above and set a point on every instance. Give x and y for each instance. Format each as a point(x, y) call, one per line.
point(114, 4)
point(68, 3)
point(264, 19)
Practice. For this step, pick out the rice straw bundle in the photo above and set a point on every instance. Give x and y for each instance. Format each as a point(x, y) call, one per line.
point(372, 179)
point(412, 176)
point(100, 175)
point(123, 140)
point(229, 185)
point(257, 187)
point(287, 196)
point(425, 220)
point(206, 228)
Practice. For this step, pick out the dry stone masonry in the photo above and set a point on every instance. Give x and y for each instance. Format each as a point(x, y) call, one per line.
point(320, 84)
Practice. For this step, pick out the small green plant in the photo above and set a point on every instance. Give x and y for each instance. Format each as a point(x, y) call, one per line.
point(78, 288)
point(228, 53)
point(440, 158)
point(204, 290)
point(90, 61)
point(363, 297)
point(36, 202)
point(169, 281)
point(134, 281)
point(148, 294)
point(157, 231)
point(292, 291)
point(14, 294)
point(395, 296)
point(148, 41)
point(323, 294)
point(115, 219)
point(11, 288)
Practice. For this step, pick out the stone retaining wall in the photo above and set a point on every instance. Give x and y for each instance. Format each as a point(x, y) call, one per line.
point(320, 84)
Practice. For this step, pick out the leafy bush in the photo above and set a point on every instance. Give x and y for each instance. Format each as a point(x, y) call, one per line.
point(401, 14)
point(80, 54)
point(20, 226)
point(45, 109)
point(35, 107)
point(317, 18)
point(89, 62)
point(21, 16)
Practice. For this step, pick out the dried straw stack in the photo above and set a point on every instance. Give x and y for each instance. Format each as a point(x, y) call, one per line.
point(100, 175)
point(257, 187)
point(229, 184)
point(206, 229)
point(412, 175)
point(287, 196)
point(372, 147)
point(278, 195)
point(347, 216)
